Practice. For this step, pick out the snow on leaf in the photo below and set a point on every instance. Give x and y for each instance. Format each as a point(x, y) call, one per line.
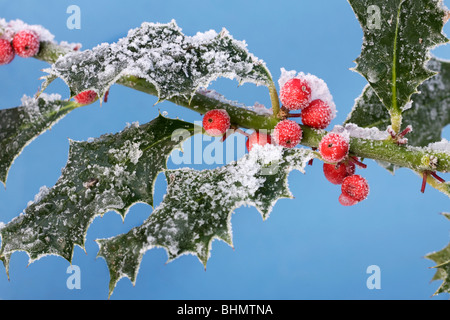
point(161, 54)
point(112, 172)
point(198, 207)
point(442, 260)
point(20, 125)
point(398, 36)
point(428, 115)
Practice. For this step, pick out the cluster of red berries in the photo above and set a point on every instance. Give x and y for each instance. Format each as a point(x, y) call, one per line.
point(25, 44)
point(340, 169)
point(294, 95)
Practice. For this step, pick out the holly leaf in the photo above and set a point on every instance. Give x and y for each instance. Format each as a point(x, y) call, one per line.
point(442, 260)
point(198, 206)
point(112, 172)
point(398, 36)
point(21, 125)
point(428, 114)
point(162, 55)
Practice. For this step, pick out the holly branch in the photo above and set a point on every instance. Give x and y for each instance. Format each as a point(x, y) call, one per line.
point(406, 90)
point(421, 160)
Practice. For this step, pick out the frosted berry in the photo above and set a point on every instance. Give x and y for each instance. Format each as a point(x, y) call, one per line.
point(346, 200)
point(295, 94)
point(86, 97)
point(26, 43)
point(216, 122)
point(287, 133)
point(336, 173)
point(355, 187)
point(317, 114)
point(257, 138)
point(6, 52)
point(333, 147)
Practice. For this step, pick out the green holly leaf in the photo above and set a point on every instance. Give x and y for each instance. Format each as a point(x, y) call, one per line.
point(198, 206)
point(112, 172)
point(176, 64)
point(20, 125)
point(442, 260)
point(428, 114)
point(398, 36)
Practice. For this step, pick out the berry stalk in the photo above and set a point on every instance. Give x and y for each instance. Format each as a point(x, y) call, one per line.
point(50, 52)
point(274, 99)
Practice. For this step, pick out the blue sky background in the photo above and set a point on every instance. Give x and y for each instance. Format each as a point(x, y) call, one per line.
point(311, 247)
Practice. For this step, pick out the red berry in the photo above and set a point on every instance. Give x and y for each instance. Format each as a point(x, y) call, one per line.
point(6, 52)
point(317, 114)
point(355, 187)
point(216, 122)
point(287, 133)
point(336, 173)
point(333, 147)
point(295, 94)
point(26, 43)
point(346, 200)
point(86, 97)
point(257, 138)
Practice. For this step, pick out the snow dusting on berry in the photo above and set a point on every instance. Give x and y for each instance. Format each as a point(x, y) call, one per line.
point(287, 133)
point(317, 114)
point(26, 43)
point(319, 88)
point(295, 94)
point(334, 147)
point(6, 52)
point(15, 26)
point(8, 29)
point(355, 187)
point(216, 122)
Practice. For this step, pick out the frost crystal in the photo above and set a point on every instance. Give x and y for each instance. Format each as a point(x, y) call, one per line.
point(43, 191)
point(441, 146)
point(352, 130)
